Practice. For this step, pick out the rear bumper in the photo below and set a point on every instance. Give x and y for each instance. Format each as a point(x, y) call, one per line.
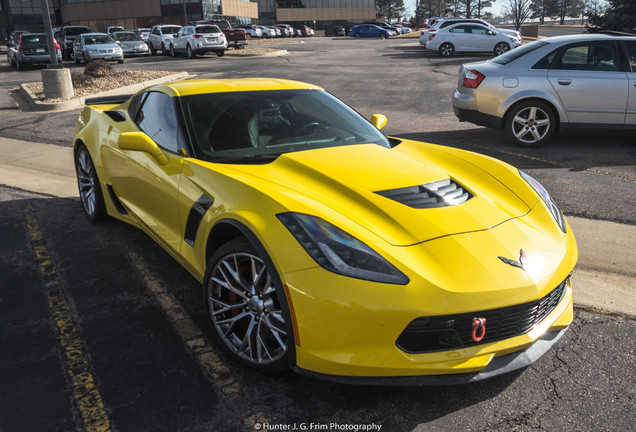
point(478, 118)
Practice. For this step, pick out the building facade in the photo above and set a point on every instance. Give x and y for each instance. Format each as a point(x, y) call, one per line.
point(97, 14)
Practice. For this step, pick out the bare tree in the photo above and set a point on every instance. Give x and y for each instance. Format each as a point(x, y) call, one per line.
point(520, 10)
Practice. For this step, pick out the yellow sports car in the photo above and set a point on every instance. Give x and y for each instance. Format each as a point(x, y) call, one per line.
point(325, 246)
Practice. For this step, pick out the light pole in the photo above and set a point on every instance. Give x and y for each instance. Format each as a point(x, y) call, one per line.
point(46, 16)
point(56, 81)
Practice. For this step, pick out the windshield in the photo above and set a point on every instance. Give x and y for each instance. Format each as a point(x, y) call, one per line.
point(518, 52)
point(127, 36)
point(74, 31)
point(237, 126)
point(170, 30)
point(98, 40)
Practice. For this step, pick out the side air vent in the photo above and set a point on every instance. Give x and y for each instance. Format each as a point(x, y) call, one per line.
point(437, 194)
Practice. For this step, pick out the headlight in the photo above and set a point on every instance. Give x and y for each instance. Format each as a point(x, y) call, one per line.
point(558, 216)
point(92, 51)
point(339, 252)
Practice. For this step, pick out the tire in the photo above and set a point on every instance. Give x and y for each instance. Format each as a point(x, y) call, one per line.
point(220, 53)
point(172, 52)
point(10, 61)
point(446, 49)
point(164, 50)
point(90, 190)
point(250, 320)
point(120, 61)
point(382, 36)
point(77, 60)
point(189, 52)
point(153, 51)
point(357, 35)
point(248, 36)
point(501, 48)
point(530, 123)
point(19, 65)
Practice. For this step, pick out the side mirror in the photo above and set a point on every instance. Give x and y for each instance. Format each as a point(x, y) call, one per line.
point(491, 33)
point(139, 141)
point(379, 120)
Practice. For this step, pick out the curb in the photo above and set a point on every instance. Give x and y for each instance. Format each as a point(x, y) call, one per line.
point(37, 105)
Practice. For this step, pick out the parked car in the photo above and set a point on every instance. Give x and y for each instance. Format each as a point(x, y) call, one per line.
point(130, 43)
point(386, 26)
point(198, 40)
point(445, 22)
point(66, 37)
point(236, 37)
point(143, 33)
point(279, 32)
point(537, 89)
point(112, 29)
point(305, 31)
point(335, 31)
point(323, 246)
point(251, 30)
point(371, 30)
point(288, 29)
point(97, 46)
point(267, 32)
point(160, 37)
point(29, 49)
point(471, 38)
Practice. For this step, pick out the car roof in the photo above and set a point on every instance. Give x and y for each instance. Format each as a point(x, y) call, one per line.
point(202, 86)
point(587, 36)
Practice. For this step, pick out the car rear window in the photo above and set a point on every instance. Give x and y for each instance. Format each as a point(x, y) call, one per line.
point(208, 29)
point(170, 30)
point(518, 52)
point(33, 40)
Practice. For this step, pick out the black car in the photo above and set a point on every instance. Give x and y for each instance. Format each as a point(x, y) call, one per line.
point(66, 37)
point(335, 31)
point(30, 49)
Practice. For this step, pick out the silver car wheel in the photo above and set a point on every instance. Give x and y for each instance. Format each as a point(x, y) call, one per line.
point(446, 49)
point(244, 309)
point(88, 184)
point(501, 48)
point(531, 123)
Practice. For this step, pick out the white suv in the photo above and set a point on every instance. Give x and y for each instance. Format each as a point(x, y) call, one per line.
point(160, 37)
point(199, 39)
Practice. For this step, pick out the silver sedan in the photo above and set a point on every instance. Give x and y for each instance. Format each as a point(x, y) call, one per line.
point(577, 81)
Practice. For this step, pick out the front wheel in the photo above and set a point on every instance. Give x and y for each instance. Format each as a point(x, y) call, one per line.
point(247, 307)
point(164, 50)
point(530, 124)
point(172, 51)
point(501, 48)
point(189, 52)
point(90, 190)
point(357, 35)
point(152, 49)
point(446, 49)
point(382, 36)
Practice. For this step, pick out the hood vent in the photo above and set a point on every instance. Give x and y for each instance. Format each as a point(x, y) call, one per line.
point(441, 193)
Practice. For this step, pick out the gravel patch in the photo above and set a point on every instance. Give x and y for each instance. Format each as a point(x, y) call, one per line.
point(84, 85)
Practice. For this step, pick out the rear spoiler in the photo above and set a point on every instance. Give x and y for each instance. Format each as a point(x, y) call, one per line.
point(107, 100)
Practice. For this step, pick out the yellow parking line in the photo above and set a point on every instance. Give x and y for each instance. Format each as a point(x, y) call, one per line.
point(221, 376)
point(87, 398)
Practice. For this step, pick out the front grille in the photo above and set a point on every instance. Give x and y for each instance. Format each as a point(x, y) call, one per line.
point(437, 194)
point(439, 333)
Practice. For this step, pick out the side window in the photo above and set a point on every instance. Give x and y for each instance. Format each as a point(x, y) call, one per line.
point(546, 61)
point(630, 47)
point(593, 56)
point(135, 103)
point(158, 119)
point(478, 30)
point(459, 29)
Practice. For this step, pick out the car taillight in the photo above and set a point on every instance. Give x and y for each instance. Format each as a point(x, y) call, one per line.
point(57, 46)
point(431, 36)
point(197, 36)
point(473, 78)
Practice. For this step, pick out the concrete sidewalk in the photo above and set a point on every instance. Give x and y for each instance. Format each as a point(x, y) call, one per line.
point(604, 279)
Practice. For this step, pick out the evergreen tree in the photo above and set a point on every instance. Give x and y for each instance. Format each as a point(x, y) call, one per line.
point(543, 9)
point(391, 9)
point(619, 16)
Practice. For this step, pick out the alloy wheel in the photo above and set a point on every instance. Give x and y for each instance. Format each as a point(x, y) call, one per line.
point(244, 309)
point(530, 125)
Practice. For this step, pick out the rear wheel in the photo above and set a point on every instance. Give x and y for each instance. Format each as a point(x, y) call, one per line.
point(530, 124)
point(120, 61)
point(446, 49)
point(358, 35)
point(189, 52)
point(220, 53)
point(90, 190)
point(501, 48)
point(247, 307)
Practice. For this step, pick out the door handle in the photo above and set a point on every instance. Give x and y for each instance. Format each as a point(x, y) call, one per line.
point(564, 81)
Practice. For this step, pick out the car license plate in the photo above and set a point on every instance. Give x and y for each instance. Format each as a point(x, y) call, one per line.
point(40, 50)
point(211, 39)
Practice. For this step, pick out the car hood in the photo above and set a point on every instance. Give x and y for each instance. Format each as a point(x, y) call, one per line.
point(508, 32)
point(347, 180)
point(131, 43)
point(101, 46)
